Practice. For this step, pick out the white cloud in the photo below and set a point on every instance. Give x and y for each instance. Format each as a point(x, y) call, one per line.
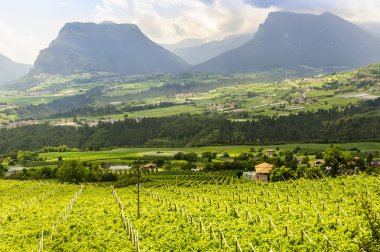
point(21, 49)
point(169, 21)
point(354, 10)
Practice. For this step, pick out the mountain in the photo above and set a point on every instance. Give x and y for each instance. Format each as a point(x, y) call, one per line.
point(184, 43)
point(371, 27)
point(10, 70)
point(300, 42)
point(105, 47)
point(201, 53)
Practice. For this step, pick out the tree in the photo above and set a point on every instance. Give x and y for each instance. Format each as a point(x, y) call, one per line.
point(209, 155)
point(1, 170)
point(281, 174)
point(226, 155)
point(178, 156)
point(369, 158)
point(333, 158)
point(305, 160)
point(191, 157)
point(290, 161)
point(71, 171)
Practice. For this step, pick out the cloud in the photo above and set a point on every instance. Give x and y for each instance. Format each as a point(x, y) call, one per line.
point(354, 10)
point(168, 21)
point(19, 48)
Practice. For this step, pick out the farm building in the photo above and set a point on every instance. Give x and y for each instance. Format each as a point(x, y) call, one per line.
point(12, 170)
point(251, 175)
point(318, 162)
point(269, 153)
point(119, 168)
point(150, 165)
point(262, 172)
point(375, 163)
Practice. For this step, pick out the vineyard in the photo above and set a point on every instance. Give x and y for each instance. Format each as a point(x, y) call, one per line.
point(188, 212)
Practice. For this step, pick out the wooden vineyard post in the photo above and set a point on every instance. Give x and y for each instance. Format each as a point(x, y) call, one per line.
point(222, 239)
point(259, 218)
point(252, 248)
point(201, 226)
point(41, 245)
point(136, 241)
point(246, 214)
point(286, 230)
point(237, 215)
point(303, 233)
point(138, 192)
point(338, 209)
point(328, 242)
point(237, 245)
point(271, 224)
point(212, 233)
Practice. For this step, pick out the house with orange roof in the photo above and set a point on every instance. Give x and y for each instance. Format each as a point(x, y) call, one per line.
point(150, 165)
point(262, 172)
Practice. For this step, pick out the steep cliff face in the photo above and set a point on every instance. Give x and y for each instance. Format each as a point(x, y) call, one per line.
point(292, 40)
point(109, 47)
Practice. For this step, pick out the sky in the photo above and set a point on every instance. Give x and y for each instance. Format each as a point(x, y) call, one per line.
point(28, 26)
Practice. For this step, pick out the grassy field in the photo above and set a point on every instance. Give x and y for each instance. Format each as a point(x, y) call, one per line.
point(116, 155)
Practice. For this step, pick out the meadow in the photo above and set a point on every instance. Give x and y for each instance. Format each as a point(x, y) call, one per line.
point(124, 154)
point(238, 96)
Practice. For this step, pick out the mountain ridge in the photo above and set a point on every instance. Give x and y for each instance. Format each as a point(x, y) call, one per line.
point(293, 41)
point(201, 53)
point(109, 47)
point(10, 70)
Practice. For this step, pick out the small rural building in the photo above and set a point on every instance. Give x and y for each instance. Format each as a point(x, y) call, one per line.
point(250, 175)
point(115, 168)
point(12, 170)
point(269, 153)
point(262, 172)
point(150, 165)
point(318, 162)
point(375, 163)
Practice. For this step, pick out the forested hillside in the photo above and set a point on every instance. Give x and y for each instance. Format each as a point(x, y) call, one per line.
point(353, 123)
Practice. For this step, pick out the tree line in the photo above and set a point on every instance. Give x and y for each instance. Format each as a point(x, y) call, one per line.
point(350, 124)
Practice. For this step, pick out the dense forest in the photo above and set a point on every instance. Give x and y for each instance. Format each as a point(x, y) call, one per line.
point(350, 124)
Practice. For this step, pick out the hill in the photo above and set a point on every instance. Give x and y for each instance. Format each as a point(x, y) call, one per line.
point(206, 51)
point(301, 42)
point(10, 70)
point(105, 47)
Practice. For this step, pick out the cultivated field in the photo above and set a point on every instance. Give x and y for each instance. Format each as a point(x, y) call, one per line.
point(189, 212)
